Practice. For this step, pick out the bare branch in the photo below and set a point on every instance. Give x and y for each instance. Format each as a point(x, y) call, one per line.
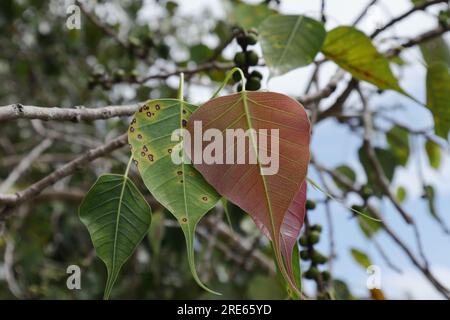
point(18, 111)
point(24, 164)
point(421, 6)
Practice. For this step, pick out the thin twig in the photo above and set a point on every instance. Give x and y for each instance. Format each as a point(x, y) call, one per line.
point(29, 193)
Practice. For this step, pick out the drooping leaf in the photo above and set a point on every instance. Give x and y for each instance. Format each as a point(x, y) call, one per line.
point(117, 217)
point(438, 97)
point(398, 140)
point(250, 16)
point(290, 42)
point(178, 187)
point(433, 153)
point(266, 198)
point(353, 51)
point(361, 258)
point(436, 50)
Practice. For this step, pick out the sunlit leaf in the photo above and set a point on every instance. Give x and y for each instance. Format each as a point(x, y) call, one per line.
point(434, 153)
point(117, 217)
point(178, 187)
point(361, 258)
point(266, 198)
point(353, 51)
point(438, 97)
point(290, 42)
point(398, 140)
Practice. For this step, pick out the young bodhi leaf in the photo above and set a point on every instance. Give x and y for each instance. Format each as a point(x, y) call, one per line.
point(178, 187)
point(290, 42)
point(266, 198)
point(353, 51)
point(117, 218)
point(290, 229)
point(438, 97)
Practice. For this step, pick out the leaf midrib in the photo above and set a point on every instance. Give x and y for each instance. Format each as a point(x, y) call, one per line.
point(290, 39)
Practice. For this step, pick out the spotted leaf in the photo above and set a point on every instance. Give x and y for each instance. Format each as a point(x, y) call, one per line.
point(178, 187)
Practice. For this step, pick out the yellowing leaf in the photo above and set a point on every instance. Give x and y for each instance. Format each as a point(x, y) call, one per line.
point(353, 51)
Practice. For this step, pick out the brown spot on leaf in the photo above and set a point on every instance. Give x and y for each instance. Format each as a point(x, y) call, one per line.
point(184, 220)
point(149, 114)
point(145, 148)
point(169, 150)
point(184, 123)
point(131, 129)
point(133, 121)
point(205, 198)
point(150, 157)
point(157, 107)
point(184, 111)
point(143, 153)
point(139, 136)
point(179, 173)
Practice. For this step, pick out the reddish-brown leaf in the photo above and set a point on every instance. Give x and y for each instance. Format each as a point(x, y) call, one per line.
point(266, 198)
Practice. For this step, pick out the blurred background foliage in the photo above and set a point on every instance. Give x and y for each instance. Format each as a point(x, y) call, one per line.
point(43, 63)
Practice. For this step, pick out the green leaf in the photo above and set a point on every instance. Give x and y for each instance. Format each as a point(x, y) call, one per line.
point(388, 162)
point(361, 258)
point(430, 194)
point(178, 187)
point(346, 172)
point(290, 42)
point(438, 97)
point(250, 16)
point(117, 217)
point(368, 226)
point(353, 51)
point(436, 50)
point(434, 153)
point(398, 140)
point(401, 194)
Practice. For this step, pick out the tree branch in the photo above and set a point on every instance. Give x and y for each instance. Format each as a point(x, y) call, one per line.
point(35, 189)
